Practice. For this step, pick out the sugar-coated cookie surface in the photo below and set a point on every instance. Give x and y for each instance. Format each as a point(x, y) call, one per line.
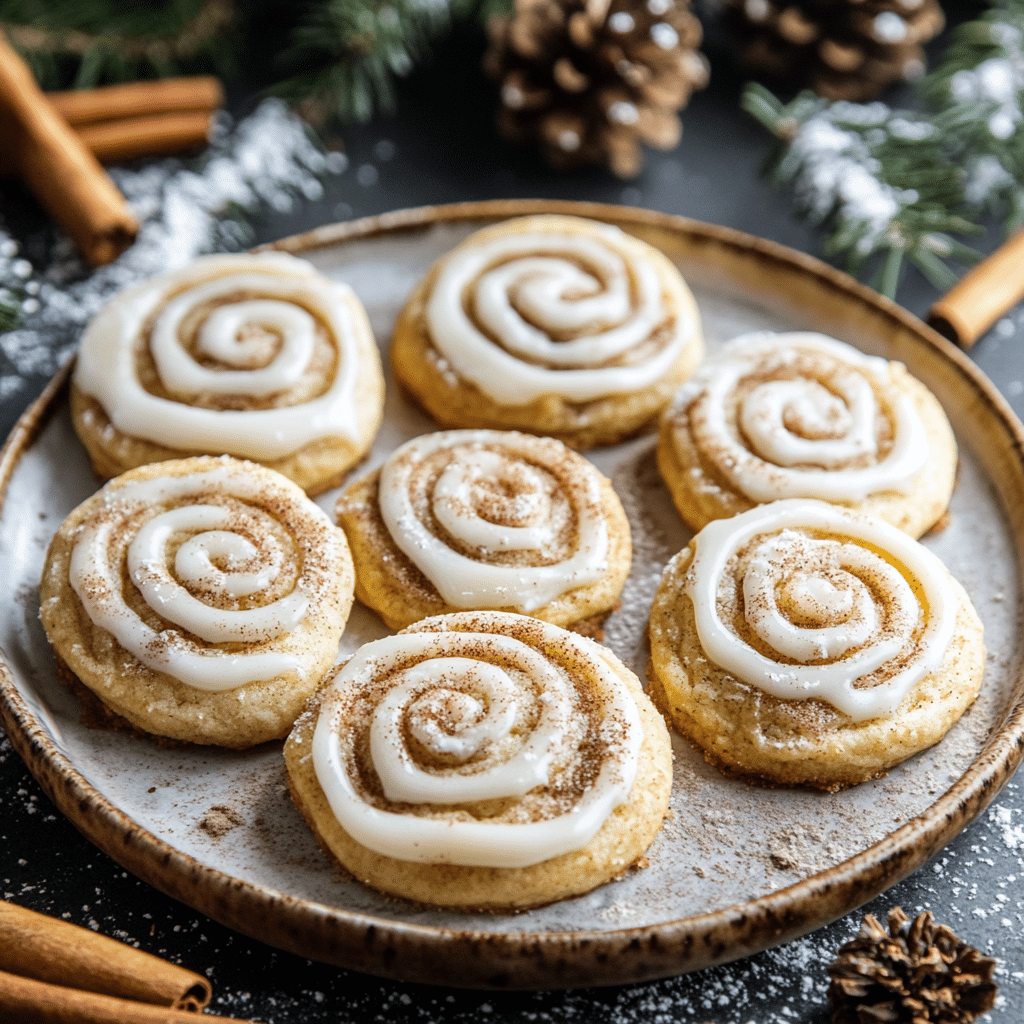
point(482, 761)
point(804, 644)
point(202, 600)
point(550, 324)
point(801, 415)
point(255, 356)
point(471, 519)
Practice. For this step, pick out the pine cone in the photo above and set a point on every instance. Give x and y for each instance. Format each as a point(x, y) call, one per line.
point(588, 80)
point(921, 974)
point(842, 49)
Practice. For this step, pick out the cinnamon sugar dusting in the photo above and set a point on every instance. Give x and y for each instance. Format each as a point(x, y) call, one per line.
point(799, 415)
point(314, 382)
point(803, 599)
point(494, 519)
point(815, 599)
point(476, 700)
point(220, 820)
point(203, 565)
point(516, 492)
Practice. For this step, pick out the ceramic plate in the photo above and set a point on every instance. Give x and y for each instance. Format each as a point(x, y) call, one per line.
point(735, 869)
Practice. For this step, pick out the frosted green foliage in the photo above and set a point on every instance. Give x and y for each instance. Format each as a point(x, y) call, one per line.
point(892, 187)
point(879, 181)
point(977, 92)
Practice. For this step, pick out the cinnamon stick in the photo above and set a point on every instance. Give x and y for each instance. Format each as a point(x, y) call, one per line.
point(49, 950)
point(35, 1002)
point(153, 135)
point(982, 295)
point(65, 177)
point(198, 93)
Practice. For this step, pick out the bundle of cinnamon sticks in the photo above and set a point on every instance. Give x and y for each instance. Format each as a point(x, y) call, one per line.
point(121, 122)
point(55, 142)
point(53, 972)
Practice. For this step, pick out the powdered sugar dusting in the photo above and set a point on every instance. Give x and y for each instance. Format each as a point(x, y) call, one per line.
point(1012, 827)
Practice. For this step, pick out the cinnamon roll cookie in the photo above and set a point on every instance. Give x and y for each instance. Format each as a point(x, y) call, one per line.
point(804, 644)
point(802, 415)
point(201, 600)
point(470, 519)
point(256, 356)
point(553, 325)
point(482, 761)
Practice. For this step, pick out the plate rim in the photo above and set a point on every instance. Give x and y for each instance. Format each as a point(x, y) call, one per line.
point(527, 960)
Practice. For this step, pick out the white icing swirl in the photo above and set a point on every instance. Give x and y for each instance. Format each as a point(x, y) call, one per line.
point(496, 519)
point(216, 568)
point(582, 316)
point(466, 715)
point(798, 416)
point(255, 340)
point(851, 610)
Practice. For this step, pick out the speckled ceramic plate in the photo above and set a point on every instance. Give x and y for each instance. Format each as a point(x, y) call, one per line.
point(735, 869)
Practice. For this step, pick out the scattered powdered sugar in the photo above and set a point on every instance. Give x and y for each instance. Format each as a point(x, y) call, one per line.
point(267, 159)
point(1012, 833)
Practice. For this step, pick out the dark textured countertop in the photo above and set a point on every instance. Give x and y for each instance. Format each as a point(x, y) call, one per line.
point(439, 151)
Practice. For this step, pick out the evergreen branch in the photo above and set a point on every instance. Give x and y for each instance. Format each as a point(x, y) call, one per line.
point(107, 41)
point(896, 185)
point(977, 92)
point(878, 180)
point(351, 51)
point(333, 57)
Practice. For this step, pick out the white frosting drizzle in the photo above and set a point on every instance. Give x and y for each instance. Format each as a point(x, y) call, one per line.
point(797, 437)
point(480, 713)
point(598, 294)
point(470, 713)
point(262, 346)
point(850, 598)
point(222, 336)
point(150, 572)
point(245, 569)
point(529, 519)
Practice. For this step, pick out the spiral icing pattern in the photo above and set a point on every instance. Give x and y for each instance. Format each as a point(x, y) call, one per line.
point(496, 519)
point(208, 576)
point(800, 416)
point(548, 312)
point(483, 739)
point(802, 599)
point(252, 355)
